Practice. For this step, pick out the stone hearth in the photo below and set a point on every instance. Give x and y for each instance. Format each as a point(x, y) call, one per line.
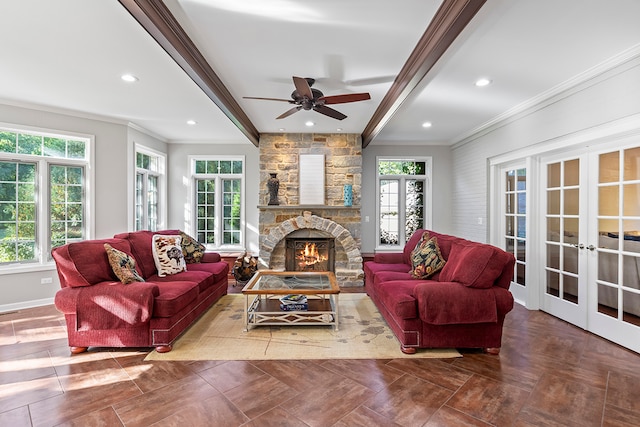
point(279, 153)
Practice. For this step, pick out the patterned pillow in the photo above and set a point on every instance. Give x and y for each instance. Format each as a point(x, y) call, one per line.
point(192, 250)
point(123, 265)
point(426, 259)
point(167, 254)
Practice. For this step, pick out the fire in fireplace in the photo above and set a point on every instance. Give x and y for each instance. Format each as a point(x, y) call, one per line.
point(309, 254)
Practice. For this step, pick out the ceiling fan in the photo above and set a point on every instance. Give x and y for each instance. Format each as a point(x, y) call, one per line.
point(307, 98)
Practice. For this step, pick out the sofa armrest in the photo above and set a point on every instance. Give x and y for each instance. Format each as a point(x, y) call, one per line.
point(388, 258)
point(447, 303)
point(211, 257)
point(108, 305)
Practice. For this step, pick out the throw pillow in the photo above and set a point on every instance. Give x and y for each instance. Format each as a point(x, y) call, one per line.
point(426, 259)
point(123, 265)
point(167, 254)
point(192, 250)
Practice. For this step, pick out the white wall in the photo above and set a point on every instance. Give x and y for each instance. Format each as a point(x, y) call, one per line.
point(611, 96)
point(179, 190)
point(441, 185)
point(111, 203)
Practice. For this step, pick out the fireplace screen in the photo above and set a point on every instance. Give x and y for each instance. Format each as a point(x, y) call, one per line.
point(309, 255)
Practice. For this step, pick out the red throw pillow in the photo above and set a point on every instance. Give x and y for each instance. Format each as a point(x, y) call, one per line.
point(473, 265)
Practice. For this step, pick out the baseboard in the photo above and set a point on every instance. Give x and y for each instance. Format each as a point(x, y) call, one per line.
point(4, 308)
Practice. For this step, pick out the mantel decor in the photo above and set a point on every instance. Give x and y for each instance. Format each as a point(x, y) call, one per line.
point(273, 184)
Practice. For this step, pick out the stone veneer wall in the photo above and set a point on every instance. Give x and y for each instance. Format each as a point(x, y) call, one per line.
point(343, 165)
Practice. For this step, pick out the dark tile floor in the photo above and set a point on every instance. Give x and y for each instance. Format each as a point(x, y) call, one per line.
point(549, 373)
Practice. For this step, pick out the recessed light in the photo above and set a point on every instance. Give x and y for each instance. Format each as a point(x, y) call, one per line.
point(281, 129)
point(191, 122)
point(339, 130)
point(483, 82)
point(309, 123)
point(426, 125)
point(130, 78)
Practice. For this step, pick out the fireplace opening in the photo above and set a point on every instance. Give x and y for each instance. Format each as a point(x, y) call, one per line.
point(309, 254)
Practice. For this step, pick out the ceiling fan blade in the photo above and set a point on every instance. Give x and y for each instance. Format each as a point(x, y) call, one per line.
point(341, 99)
point(302, 86)
point(322, 109)
point(269, 99)
point(289, 112)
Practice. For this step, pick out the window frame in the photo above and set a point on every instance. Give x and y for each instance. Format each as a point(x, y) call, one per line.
point(161, 174)
point(43, 259)
point(427, 202)
point(194, 177)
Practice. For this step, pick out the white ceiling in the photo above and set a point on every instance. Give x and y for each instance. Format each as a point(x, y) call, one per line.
point(68, 55)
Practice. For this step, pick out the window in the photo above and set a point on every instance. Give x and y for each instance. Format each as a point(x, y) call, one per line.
point(515, 217)
point(219, 201)
point(43, 194)
point(403, 191)
point(150, 169)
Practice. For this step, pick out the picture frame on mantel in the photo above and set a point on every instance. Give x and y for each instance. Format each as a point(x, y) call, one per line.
point(311, 189)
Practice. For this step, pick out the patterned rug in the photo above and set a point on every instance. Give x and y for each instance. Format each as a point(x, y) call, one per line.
point(363, 334)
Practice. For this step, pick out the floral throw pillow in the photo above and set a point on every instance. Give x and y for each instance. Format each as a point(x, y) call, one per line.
point(167, 254)
point(123, 265)
point(192, 250)
point(426, 259)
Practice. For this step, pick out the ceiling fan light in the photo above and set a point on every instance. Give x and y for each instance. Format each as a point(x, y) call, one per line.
point(191, 122)
point(427, 124)
point(483, 82)
point(309, 123)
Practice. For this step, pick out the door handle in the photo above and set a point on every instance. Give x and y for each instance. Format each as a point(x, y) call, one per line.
point(580, 246)
point(591, 248)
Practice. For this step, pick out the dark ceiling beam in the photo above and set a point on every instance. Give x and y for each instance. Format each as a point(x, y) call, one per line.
point(155, 17)
point(449, 21)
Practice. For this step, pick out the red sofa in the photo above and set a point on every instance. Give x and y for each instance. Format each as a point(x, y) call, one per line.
point(101, 311)
point(461, 306)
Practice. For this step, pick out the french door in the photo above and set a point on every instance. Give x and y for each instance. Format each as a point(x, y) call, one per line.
point(590, 204)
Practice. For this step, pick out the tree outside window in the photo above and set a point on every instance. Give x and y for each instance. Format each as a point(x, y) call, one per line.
point(402, 191)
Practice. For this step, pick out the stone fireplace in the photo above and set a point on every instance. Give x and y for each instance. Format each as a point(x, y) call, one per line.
point(333, 227)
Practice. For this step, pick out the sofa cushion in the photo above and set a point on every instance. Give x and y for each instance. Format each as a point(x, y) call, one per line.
point(218, 270)
point(446, 303)
point(123, 265)
point(167, 254)
point(426, 259)
point(411, 245)
point(397, 297)
point(473, 264)
point(203, 279)
point(86, 263)
point(141, 242)
point(192, 250)
point(173, 297)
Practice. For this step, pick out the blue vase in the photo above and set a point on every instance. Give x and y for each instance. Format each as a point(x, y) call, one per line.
point(348, 195)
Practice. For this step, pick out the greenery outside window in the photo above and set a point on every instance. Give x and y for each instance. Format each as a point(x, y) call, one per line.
point(219, 201)
point(43, 194)
point(149, 182)
point(403, 194)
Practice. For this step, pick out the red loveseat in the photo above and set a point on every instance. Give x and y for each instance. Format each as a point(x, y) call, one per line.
point(461, 306)
point(101, 311)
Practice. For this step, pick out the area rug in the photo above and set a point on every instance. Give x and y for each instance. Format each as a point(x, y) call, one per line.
point(363, 334)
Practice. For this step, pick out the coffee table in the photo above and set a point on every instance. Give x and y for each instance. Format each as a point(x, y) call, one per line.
point(264, 290)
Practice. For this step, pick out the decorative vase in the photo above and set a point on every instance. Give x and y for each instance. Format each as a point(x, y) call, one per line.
point(273, 184)
point(348, 195)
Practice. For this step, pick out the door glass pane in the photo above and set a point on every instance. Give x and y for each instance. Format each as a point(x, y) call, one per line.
point(632, 164)
point(509, 226)
point(553, 229)
point(608, 267)
point(389, 219)
point(630, 265)
point(571, 231)
point(553, 283)
point(570, 288)
point(631, 199)
point(609, 167)
point(630, 304)
point(608, 200)
point(553, 175)
point(553, 256)
point(608, 300)
point(571, 201)
point(570, 259)
point(572, 172)
point(631, 242)
point(553, 202)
